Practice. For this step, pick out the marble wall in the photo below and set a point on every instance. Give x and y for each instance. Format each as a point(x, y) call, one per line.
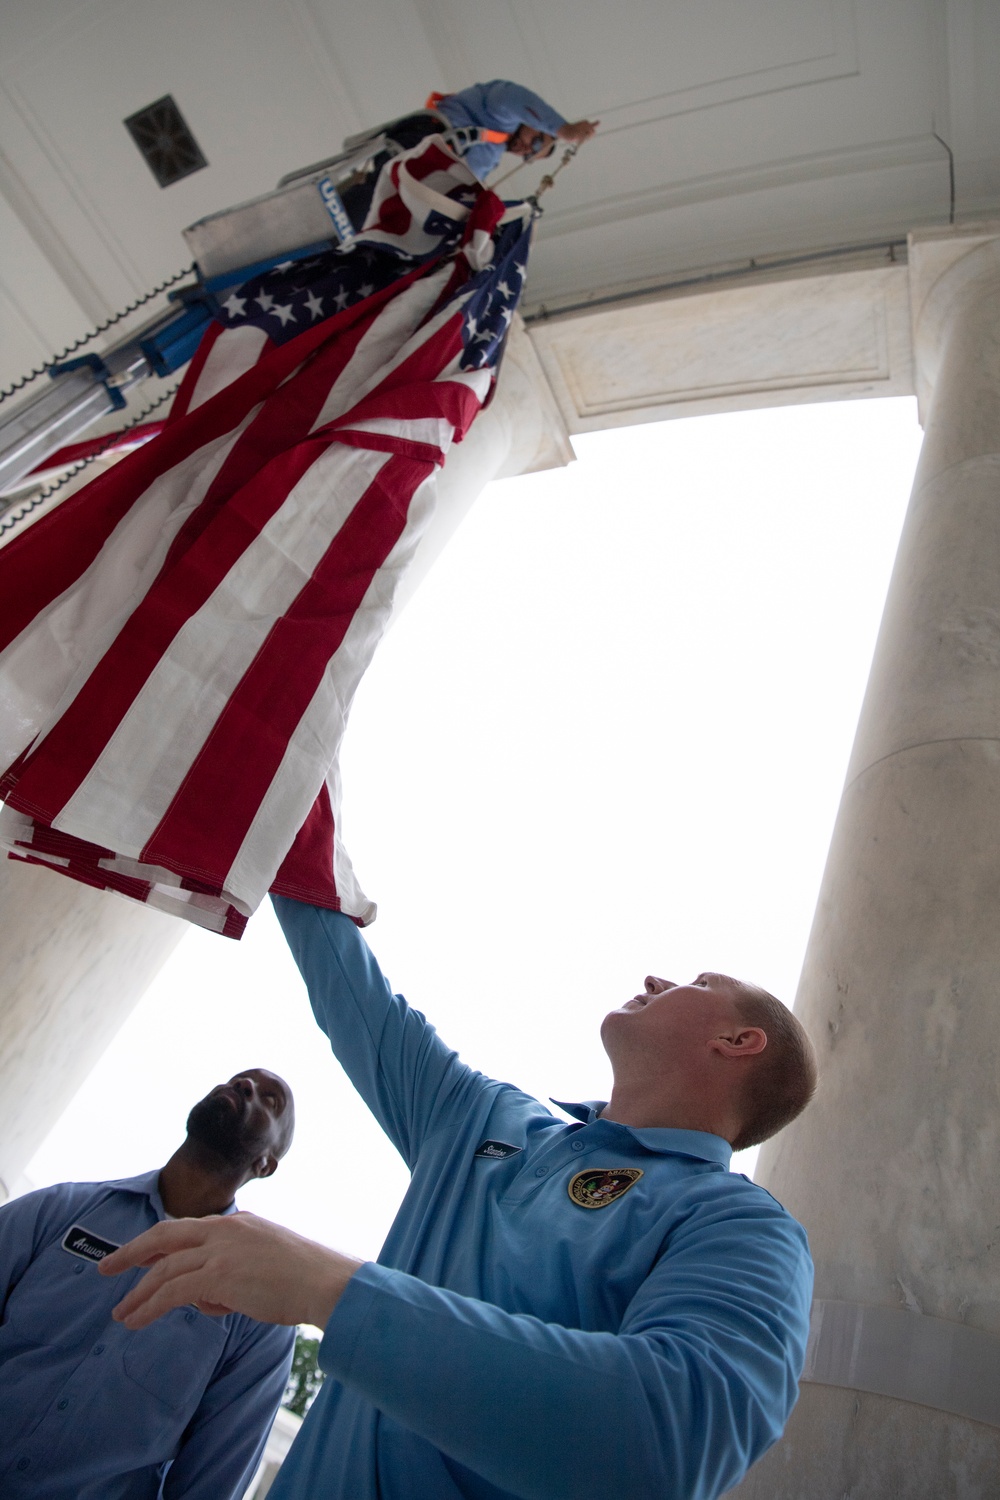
point(765, 340)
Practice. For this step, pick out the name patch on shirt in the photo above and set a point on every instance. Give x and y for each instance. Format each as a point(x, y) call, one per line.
point(599, 1187)
point(86, 1244)
point(497, 1150)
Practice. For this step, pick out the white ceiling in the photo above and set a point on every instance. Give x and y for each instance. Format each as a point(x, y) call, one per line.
point(731, 128)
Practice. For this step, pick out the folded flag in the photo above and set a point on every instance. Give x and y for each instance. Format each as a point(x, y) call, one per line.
point(181, 640)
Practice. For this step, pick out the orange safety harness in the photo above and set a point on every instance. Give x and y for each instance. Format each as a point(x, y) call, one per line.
point(495, 137)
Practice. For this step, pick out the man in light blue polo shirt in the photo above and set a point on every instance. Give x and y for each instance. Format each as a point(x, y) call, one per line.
point(509, 109)
point(90, 1411)
point(597, 1310)
point(487, 119)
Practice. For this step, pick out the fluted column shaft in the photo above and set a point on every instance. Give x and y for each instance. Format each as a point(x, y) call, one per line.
point(894, 1168)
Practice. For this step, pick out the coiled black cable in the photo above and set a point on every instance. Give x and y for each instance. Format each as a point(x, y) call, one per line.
point(19, 385)
point(10, 522)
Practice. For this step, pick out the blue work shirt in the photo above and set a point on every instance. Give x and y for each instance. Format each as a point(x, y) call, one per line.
point(90, 1411)
point(499, 105)
point(511, 1340)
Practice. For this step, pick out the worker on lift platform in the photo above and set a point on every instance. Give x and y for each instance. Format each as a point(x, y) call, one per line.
point(512, 119)
point(483, 122)
point(480, 123)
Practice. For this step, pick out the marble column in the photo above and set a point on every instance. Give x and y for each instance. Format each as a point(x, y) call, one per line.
point(73, 961)
point(894, 1169)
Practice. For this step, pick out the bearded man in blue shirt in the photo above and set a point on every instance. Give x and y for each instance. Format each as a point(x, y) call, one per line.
point(595, 1310)
point(180, 1411)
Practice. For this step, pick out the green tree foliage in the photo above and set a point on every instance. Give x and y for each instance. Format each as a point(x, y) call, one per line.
point(305, 1376)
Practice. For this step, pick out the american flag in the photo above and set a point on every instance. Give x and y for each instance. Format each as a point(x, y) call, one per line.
point(181, 640)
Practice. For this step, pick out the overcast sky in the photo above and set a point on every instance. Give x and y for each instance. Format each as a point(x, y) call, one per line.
point(606, 738)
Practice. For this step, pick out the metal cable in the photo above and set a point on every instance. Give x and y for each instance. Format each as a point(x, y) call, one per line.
point(19, 385)
point(550, 177)
point(546, 182)
point(112, 438)
point(951, 175)
point(496, 186)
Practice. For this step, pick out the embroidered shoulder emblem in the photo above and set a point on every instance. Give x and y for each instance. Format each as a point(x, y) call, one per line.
point(598, 1187)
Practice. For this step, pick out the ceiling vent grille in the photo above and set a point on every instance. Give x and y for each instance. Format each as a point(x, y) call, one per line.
point(170, 150)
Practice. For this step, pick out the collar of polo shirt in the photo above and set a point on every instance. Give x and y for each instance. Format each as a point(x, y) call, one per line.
point(697, 1143)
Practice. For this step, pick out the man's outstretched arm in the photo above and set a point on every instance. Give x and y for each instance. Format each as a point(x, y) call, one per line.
point(696, 1385)
point(409, 1078)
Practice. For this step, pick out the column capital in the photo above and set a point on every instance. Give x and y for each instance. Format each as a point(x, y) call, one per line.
point(949, 267)
point(520, 432)
point(903, 1353)
point(538, 435)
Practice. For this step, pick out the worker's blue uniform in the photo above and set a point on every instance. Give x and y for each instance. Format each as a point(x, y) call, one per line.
point(511, 1340)
point(89, 1411)
point(499, 105)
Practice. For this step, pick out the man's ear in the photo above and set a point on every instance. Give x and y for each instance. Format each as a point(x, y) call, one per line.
point(265, 1166)
point(748, 1041)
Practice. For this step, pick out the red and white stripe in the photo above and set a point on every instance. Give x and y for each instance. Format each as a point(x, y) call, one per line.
point(180, 642)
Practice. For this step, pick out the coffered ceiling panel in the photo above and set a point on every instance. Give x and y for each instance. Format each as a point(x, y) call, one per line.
point(691, 55)
point(731, 129)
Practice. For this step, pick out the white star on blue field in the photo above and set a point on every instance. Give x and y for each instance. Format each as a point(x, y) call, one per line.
point(297, 294)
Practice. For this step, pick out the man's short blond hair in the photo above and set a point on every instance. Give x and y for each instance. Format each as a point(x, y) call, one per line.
point(782, 1079)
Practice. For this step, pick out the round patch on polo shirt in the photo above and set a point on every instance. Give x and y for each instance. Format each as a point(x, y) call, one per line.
point(599, 1187)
